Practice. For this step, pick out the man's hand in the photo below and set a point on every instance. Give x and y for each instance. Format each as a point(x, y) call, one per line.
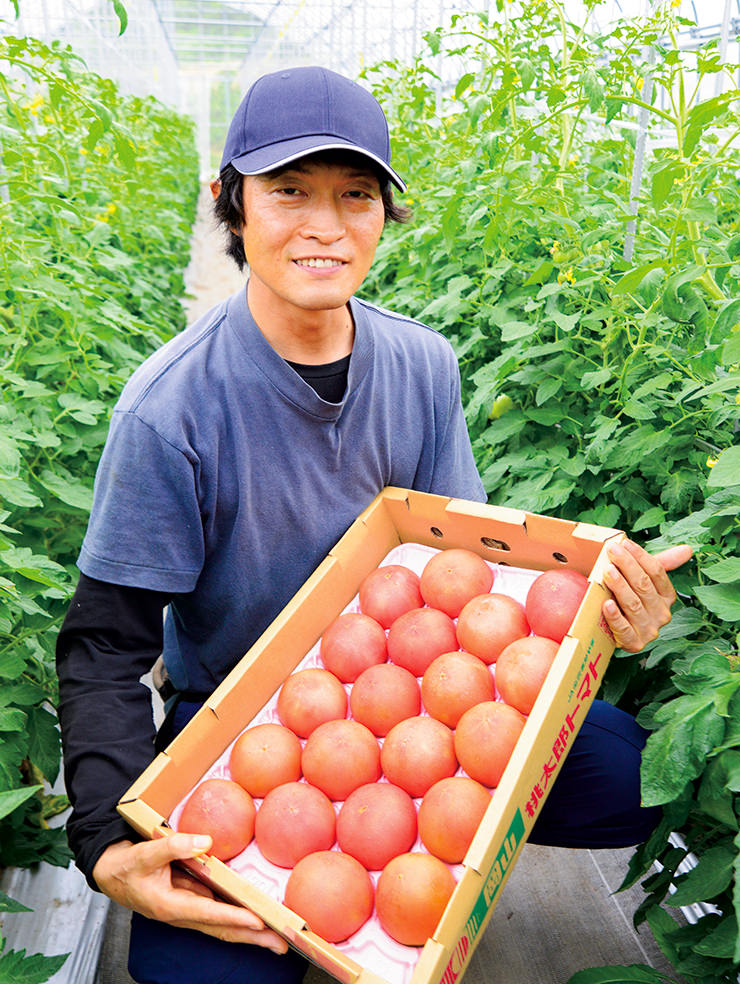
point(142, 877)
point(643, 593)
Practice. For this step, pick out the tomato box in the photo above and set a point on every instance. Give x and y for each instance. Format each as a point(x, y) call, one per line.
point(518, 545)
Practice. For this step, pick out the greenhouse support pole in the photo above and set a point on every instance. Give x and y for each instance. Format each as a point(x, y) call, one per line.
point(639, 161)
point(724, 39)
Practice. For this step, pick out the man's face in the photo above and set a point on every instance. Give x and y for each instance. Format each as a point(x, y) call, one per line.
point(310, 234)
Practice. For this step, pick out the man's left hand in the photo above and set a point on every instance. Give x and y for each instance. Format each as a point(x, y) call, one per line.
point(643, 593)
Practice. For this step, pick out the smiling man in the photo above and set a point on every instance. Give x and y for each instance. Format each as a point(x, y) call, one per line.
point(238, 455)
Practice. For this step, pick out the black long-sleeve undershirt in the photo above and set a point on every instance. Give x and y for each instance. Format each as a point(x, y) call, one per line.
point(110, 638)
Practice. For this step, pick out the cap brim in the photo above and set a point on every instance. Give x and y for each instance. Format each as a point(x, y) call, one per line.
point(278, 155)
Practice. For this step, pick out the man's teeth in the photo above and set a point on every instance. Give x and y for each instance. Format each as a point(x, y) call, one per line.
point(316, 261)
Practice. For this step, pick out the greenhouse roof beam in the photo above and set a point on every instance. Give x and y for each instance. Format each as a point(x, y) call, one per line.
point(265, 23)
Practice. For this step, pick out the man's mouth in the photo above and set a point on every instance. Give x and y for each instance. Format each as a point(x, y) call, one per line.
point(319, 261)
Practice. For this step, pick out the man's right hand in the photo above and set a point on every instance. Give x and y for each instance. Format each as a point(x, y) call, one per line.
point(142, 877)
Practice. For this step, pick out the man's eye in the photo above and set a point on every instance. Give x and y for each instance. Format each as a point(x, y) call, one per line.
point(291, 192)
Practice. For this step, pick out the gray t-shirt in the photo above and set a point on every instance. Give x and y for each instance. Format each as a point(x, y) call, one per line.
point(226, 479)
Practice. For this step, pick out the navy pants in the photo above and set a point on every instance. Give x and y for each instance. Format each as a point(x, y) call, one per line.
point(595, 803)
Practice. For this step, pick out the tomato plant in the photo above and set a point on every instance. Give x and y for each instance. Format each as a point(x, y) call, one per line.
point(97, 198)
point(597, 325)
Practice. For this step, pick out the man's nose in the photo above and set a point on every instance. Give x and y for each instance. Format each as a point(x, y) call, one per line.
point(325, 221)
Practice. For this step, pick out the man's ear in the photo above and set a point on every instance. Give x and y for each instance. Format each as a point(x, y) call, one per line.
point(215, 187)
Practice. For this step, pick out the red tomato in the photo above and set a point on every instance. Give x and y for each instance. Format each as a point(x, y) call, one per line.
point(521, 670)
point(452, 577)
point(485, 738)
point(488, 623)
point(294, 820)
point(384, 695)
point(376, 823)
point(310, 697)
point(552, 602)
point(332, 892)
point(417, 753)
point(351, 644)
point(449, 816)
point(388, 592)
point(412, 893)
point(418, 636)
point(453, 683)
point(339, 756)
point(224, 810)
point(265, 756)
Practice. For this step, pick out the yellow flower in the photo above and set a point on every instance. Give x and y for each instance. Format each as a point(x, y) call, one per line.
point(83, 150)
point(555, 247)
point(111, 208)
point(675, 4)
point(711, 462)
point(573, 160)
point(567, 277)
point(36, 104)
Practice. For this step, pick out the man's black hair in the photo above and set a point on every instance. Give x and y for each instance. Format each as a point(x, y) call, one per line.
point(229, 205)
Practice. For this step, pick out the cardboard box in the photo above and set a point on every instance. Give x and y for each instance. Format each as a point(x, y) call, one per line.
point(501, 536)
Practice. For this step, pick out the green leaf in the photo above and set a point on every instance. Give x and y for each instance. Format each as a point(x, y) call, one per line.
point(12, 719)
point(720, 778)
point(631, 280)
point(464, 83)
point(724, 571)
point(121, 14)
point(44, 745)
point(547, 389)
point(721, 941)
point(590, 380)
point(613, 107)
point(726, 471)
point(711, 876)
point(651, 517)
point(565, 321)
point(517, 329)
point(676, 753)
point(731, 350)
point(593, 88)
point(68, 489)
point(681, 302)
point(125, 149)
point(11, 799)
point(700, 117)
point(18, 968)
point(721, 599)
point(728, 318)
point(11, 905)
point(526, 73)
point(662, 181)
point(663, 927)
point(632, 974)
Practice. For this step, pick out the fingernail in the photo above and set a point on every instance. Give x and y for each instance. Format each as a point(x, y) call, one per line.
point(611, 608)
point(610, 573)
point(201, 842)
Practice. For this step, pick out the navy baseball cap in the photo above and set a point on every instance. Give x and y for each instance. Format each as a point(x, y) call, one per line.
point(298, 111)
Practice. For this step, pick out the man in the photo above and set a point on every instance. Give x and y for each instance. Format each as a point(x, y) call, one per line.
point(238, 455)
